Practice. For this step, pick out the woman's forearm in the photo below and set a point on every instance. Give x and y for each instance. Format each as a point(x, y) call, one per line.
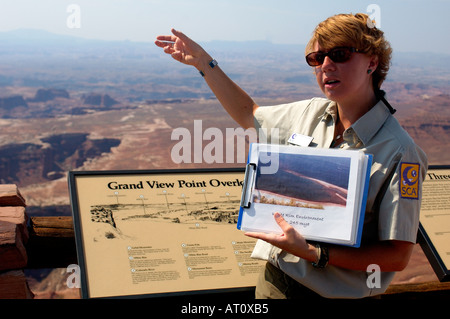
point(389, 255)
point(233, 98)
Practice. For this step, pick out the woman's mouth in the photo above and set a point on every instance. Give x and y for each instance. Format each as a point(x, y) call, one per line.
point(331, 83)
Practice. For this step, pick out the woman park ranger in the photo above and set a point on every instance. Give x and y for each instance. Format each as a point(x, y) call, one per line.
point(350, 58)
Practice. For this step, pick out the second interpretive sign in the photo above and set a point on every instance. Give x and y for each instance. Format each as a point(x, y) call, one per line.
point(160, 232)
point(434, 234)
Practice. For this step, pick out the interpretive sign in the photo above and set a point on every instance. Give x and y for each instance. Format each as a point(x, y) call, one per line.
point(434, 231)
point(152, 233)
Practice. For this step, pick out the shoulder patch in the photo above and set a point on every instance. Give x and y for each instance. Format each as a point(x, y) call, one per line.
point(409, 180)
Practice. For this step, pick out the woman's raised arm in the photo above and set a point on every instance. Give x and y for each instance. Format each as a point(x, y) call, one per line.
point(235, 101)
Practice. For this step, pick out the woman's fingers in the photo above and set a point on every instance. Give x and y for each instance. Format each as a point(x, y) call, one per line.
point(180, 35)
point(163, 39)
point(284, 225)
point(181, 48)
point(163, 44)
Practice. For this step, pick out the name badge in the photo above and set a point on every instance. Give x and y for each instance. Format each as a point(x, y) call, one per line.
point(300, 139)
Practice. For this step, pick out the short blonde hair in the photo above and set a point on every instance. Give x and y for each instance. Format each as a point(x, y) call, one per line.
point(355, 31)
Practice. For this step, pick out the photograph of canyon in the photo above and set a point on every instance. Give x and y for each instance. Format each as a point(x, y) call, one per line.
point(305, 181)
point(68, 103)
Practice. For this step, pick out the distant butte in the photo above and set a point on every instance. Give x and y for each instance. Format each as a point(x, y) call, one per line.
point(10, 102)
point(44, 95)
point(99, 100)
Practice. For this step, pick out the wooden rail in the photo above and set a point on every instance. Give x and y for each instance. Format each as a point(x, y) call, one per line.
point(49, 242)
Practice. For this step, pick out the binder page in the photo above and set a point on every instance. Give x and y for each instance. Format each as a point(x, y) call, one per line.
point(316, 190)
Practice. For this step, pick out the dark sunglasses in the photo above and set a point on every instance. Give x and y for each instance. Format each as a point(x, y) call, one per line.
point(337, 55)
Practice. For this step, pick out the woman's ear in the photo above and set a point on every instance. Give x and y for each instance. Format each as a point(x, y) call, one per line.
point(373, 64)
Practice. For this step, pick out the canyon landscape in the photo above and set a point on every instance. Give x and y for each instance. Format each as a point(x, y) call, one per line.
point(71, 104)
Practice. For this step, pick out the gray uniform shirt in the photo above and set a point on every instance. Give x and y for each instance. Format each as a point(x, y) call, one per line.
point(393, 203)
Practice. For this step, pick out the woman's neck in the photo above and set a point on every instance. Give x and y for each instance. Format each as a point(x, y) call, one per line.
point(350, 111)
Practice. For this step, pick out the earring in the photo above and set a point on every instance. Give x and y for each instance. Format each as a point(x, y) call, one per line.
point(369, 71)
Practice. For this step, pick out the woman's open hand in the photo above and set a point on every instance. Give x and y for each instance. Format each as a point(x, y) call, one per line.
point(290, 241)
point(181, 48)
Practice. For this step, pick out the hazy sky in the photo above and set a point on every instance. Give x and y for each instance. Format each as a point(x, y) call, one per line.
point(410, 25)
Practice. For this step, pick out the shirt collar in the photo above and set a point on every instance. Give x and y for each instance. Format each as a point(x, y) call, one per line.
point(370, 123)
point(367, 125)
point(330, 110)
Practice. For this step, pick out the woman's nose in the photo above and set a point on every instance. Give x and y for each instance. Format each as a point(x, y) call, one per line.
point(328, 64)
